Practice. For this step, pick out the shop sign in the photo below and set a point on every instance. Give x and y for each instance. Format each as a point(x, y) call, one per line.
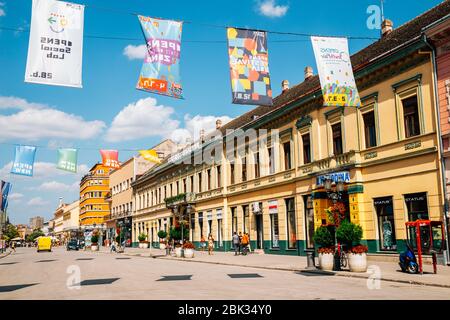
point(415, 197)
point(273, 207)
point(335, 177)
point(382, 201)
point(256, 208)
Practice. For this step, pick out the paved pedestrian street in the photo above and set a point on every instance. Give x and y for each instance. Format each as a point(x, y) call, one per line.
point(63, 274)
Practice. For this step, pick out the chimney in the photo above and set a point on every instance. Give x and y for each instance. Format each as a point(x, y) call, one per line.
point(218, 124)
point(308, 72)
point(386, 27)
point(284, 86)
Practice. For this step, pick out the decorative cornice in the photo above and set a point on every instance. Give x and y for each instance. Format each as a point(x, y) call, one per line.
point(303, 122)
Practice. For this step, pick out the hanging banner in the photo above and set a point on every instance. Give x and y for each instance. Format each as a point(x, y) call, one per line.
point(67, 160)
point(150, 155)
point(160, 72)
point(5, 189)
point(110, 158)
point(24, 160)
point(335, 72)
point(249, 67)
point(55, 47)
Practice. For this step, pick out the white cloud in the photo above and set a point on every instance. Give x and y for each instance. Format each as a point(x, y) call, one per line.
point(19, 103)
point(38, 201)
point(135, 52)
point(57, 186)
point(142, 119)
point(2, 11)
point(145, 118)
point(15, 196)
point(43, 170)
point(37, 121)
point(270, 9)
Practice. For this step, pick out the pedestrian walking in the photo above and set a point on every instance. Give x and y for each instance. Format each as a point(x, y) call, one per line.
point(245, 243)
point(202, 243)
point(13, 246)
point(236, 243)
point(210, 244)
point(240, 242)
point(113, 246)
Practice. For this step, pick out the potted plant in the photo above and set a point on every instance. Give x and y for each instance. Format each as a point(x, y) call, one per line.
point(162, 239)
point(350, 234)
point(142, 243)
point(94, 241)
point(189, 249)
point(324, 239)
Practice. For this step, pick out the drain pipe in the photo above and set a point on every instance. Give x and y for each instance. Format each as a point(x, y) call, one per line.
point(441, 147)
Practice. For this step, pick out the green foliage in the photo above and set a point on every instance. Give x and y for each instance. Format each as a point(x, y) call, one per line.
point(142, 237)
point(175, 232)
point(349, 233)
point(162, 234)
point(323, 237)
point(117, 238)
point(36, 233)
point(11, 231)
point(94, 239)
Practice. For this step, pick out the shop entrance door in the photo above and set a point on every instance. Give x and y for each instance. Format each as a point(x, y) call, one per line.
point(259, 231)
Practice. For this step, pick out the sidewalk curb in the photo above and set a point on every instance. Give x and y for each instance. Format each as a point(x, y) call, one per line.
point(348, 275)
point(4, 256)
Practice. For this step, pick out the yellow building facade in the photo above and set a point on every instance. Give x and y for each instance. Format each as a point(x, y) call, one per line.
point(94, 186)
point(385, 156)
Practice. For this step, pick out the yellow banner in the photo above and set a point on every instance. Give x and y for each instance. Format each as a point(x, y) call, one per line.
point(150, 155)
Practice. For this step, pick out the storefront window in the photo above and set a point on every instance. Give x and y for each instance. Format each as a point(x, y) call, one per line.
point(386, 225)
point(246, 218)
point(274, 227)
point(417, 206)
point(234, 221)
point(200, 223)
point(309, 221)
point(291, 228)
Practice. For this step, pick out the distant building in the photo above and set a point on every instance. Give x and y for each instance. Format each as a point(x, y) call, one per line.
point(23, 230)
point(36, 222)
point(66, 220)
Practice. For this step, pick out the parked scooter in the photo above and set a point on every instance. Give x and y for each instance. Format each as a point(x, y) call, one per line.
point(408, 262)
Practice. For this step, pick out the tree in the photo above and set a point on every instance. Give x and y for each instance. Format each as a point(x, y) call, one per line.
point(11, 231)
point(36, 233)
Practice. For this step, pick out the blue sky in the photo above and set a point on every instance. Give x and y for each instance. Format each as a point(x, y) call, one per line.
point(108, 112)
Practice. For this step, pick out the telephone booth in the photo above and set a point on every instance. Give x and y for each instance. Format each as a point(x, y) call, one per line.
point(426, 237)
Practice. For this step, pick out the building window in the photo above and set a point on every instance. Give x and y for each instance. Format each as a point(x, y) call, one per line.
point(271, 161)
point(246, 219)
point(200, 223)
point(306, 142)
point(337, 138)
point(291, 227)
point(287, 155)
point(411, 116)
point(177, 190)
point(232, 173)
point(244, 169)
point(208, 179)
point(370, 133)
point(199, 182)
point(184, 185)
point(257, 172)
point(309, 221)
point(234, 221)
point(274, 227)
point(386, 224)
point(219, 177)
point(417, 206)
point(171, 191)
point(192, 183)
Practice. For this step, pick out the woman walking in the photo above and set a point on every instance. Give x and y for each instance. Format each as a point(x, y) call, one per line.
point(210, 244)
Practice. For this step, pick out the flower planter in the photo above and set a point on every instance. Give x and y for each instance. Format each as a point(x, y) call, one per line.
point(162, 246)
point(178, 252)
point(94, 247)
point(188, 253)
point(326, 261)
point(357, 262)
point(143, 245)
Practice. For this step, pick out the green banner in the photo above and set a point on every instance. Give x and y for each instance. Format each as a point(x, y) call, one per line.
point(67, 160)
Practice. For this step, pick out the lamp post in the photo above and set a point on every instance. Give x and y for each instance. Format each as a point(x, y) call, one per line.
point(335, 196)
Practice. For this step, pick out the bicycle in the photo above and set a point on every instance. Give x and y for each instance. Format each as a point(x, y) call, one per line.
point(343, 256)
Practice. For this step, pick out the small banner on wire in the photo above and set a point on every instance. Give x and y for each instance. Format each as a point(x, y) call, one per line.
point(24, 161)
point(5, 189)
point(110, 158)
point(55, 47)
point(335, 72)
point(150, 155)
point(160, 72)
point(67, 160)
point(249, 67)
